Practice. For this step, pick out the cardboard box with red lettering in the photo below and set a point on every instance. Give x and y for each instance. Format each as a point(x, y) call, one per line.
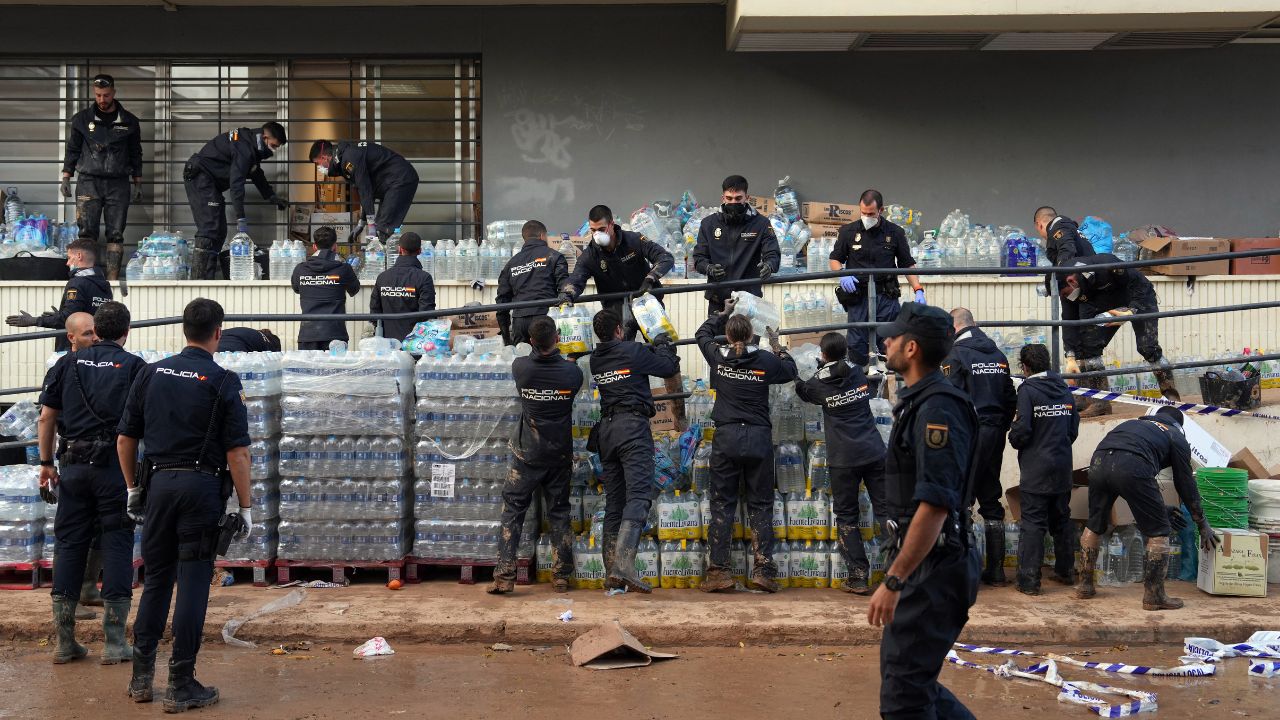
point(1178, 250)
point(1257, 265)
point(828, 213)
point(1237, 567)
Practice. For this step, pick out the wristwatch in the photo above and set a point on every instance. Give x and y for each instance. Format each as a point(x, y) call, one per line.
point(46, 463)
point(893, 583)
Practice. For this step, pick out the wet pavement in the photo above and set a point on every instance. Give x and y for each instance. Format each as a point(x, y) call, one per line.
point(538, 682)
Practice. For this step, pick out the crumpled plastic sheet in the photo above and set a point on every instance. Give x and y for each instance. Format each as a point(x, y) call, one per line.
point(280, 603)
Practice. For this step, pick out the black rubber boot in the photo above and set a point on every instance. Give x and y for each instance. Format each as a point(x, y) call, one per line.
point(608, 552)
point(89, 594)
point(1094, 408)
point(1164, 377)
point(1153, 597)
point(1088, 564)
point(1028, 582)
point(64, 625)
point(116, 649)
point(115, 253)
point(144, 675)
point(993, 573)
point(184, 691)
point(856, 582)
point(623, 573)
point(204, 264)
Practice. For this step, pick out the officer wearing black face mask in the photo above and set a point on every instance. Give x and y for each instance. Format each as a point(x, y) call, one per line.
point(735, 244)
point(85, 292)
point(619, 261)
point(224, 163)
point(379, 174)
point(534, 273)
point(322, 282)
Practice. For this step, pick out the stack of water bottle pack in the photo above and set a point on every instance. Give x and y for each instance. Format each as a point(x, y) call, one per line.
point(162, 255)
point(466, 415)
point(260, 376)
point(22, 514)
point(345, 482)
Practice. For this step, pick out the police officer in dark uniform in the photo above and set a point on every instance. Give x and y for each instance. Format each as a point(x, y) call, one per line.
point(541, 455)
point(379, 174)
point(248, 340)
point(403, 287)
point(1044, 427)
point(537, 272)
point(932, 579)
point(621, 370)
point(86, 291)
point(977, 367)
point(224, 163)
point(1063, 243)
point(619, 261)
point(1125, 465)
point(83, 396)
point(743, 451)
point(104, 148)
point(871, 242)
point(735, 244)
point(1119, 292)
point(190, 414)
point(321, 281)
point(855, 452)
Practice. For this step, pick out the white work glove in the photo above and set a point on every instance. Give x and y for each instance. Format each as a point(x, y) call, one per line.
point(246, 516)
point(135, 506)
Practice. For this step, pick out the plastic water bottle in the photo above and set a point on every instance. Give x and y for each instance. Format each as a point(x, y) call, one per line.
point(393, 245)
point(428, 258)
point(14, 209)
point(241, 257)
point(133, 271)
point(1114, 570)
point(930, 251)
point(570, 251)
point(1175, 558)
point(1135, 551)
point(276, 258)
point(788, 202)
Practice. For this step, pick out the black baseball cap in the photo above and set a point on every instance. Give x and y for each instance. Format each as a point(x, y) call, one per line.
point(923, 321)
point(103, 81)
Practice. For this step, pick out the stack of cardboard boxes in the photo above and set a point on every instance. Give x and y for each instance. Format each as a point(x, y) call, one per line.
point(477, 325)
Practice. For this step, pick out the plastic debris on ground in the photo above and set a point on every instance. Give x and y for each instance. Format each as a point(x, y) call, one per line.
point(281, 603)
point(566, 616)
point(374, 647)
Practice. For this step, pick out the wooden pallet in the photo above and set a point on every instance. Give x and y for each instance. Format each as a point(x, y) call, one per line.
point(46, 573)
point(338, 568)
point(20, 576)
point(263, 570)
point(468, 567)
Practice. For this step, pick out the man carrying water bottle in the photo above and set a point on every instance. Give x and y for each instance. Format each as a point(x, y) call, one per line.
point(871, 242)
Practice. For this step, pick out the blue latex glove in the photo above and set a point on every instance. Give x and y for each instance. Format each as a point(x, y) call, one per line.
point(242, 225)
point(920, 296)
point(849, 283)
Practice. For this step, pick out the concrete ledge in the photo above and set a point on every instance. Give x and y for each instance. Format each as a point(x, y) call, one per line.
point(443, 612)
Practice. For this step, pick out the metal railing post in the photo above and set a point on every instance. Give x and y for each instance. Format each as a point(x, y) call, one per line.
point(1055, 330)
point(873, 348)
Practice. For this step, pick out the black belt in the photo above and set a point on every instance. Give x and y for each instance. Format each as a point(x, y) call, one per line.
point(185, 467)
point(627, 410)
point(897, 531)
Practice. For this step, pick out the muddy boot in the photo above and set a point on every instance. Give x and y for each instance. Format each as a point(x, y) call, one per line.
point(115, 253)
point(1095, 408)
point(116, 649)
point(1153, 573)
point(623, 574)
point(64, 624)
point(856, 583)
point(501, 586)
point(184, 691)
point(1028, 582)
point(718, 580)
point(84, 613)
point(144, 675)
point(761, 580)
point(993, 573)
point(608, 552)
point(1164, 377)
point(1071, 578)
point(204, 264)
point(1088, 563)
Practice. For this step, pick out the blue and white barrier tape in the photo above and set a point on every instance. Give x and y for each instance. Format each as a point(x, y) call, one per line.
point(1196, 669)
point(1068, 691)
point(1187, 408)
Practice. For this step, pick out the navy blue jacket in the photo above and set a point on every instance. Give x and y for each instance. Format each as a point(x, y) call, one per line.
point(1044, 427)
point(621, 370)
point(321, 281)
point(623, 268)
point(403, 287)
point(741, 381)
point(105, 371)
point(233, 157)
point(374, 170)
point(844, 392)
point(977, 366)
point(87, 289)
point(1154, 444)
point(739, 247)
point(547, 385)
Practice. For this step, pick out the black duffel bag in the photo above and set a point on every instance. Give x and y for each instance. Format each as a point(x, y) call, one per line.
point(25, 266)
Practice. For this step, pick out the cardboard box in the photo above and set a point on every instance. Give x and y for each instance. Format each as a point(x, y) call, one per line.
point(1079, 503)
point(477, 333)
point(826, 231)
point(795, 341)
point(1238, 567)
point(764, 204)
point(342, 223)
point(829, 213)
point(475, 320)
point(665, 418)
point(1247, 461)
point(1175, 249)
point(1261, 265)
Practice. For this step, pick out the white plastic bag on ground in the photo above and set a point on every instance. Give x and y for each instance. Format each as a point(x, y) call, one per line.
point(373, 648)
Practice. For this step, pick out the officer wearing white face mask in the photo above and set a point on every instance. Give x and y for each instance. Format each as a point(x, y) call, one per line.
point(871, 242)
point(618, 261)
